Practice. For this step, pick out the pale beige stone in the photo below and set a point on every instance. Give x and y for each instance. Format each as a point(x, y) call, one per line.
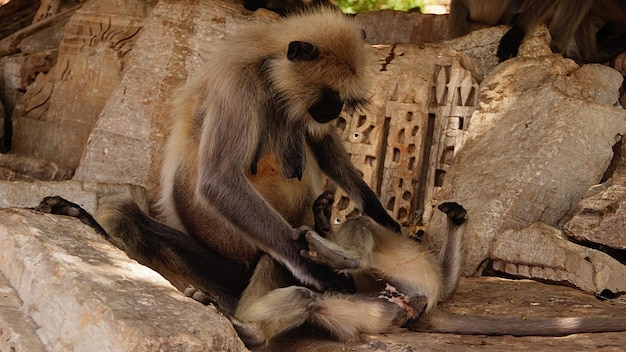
point(17, 330)
point(86, 295)
point(552, 257)
point(601, 217)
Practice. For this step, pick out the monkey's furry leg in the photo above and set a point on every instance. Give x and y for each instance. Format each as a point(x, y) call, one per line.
point(450, 254)
point(270, 306)
point(344, 316)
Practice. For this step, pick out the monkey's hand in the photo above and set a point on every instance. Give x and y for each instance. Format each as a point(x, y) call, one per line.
point(510, 43)
point(323, 251)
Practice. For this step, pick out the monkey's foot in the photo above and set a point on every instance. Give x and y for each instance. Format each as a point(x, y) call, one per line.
point(249, 333)
point(455, 212)
point(60, 206)
point(323, 251)
point(510, 43)
point(322, 209)
point(197, 295)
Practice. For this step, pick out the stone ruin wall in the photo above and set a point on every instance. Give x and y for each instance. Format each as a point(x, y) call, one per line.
point(406, 141)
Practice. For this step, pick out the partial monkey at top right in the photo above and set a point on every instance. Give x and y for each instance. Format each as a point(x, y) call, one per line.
point(588, 31)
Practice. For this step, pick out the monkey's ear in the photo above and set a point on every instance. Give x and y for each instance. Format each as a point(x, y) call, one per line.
point(302, 51)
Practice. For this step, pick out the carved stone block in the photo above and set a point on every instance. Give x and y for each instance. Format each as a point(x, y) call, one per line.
point(415, 124)
point(56, 115)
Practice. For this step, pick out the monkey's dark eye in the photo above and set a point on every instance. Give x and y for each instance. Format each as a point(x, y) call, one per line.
point(363, 34)
point(302, 51)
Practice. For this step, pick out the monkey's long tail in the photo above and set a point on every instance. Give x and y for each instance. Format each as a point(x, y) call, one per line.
point(447, 322)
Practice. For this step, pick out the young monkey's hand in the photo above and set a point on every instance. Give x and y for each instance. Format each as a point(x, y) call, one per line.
point(323, 251)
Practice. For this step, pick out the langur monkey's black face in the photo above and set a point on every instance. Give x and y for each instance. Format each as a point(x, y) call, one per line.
point(329, 104)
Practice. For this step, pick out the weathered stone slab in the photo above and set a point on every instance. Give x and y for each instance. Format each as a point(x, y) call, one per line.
point(86, 194)
point(17, 331)
point(26, 168)
point(86, 295)
point(540, 137)
point(601, 217)
point(543, 252)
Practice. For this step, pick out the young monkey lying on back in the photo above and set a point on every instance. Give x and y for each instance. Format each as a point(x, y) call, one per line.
point(399, 284)
point(397, 279)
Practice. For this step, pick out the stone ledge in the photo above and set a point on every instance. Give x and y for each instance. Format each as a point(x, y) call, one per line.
point(86, 295)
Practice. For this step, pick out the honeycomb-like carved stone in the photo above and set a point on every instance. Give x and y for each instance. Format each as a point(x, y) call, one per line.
point(404, 143)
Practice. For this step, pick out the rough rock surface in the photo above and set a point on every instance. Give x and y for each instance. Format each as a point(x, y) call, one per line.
point(19, 167)
point(17, 330)
point(541, 136)
point(601, 217)
point(85, 295)
point(542, 252)
point(481, 45)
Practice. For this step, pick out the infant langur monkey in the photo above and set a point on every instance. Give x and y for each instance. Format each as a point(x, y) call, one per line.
point(399, 284)
point(397, 279)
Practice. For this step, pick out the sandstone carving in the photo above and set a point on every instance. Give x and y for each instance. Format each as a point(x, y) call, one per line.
point(56, 115)
point(415, 124)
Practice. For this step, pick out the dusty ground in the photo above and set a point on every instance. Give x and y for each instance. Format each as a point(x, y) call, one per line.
point(496, 297)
